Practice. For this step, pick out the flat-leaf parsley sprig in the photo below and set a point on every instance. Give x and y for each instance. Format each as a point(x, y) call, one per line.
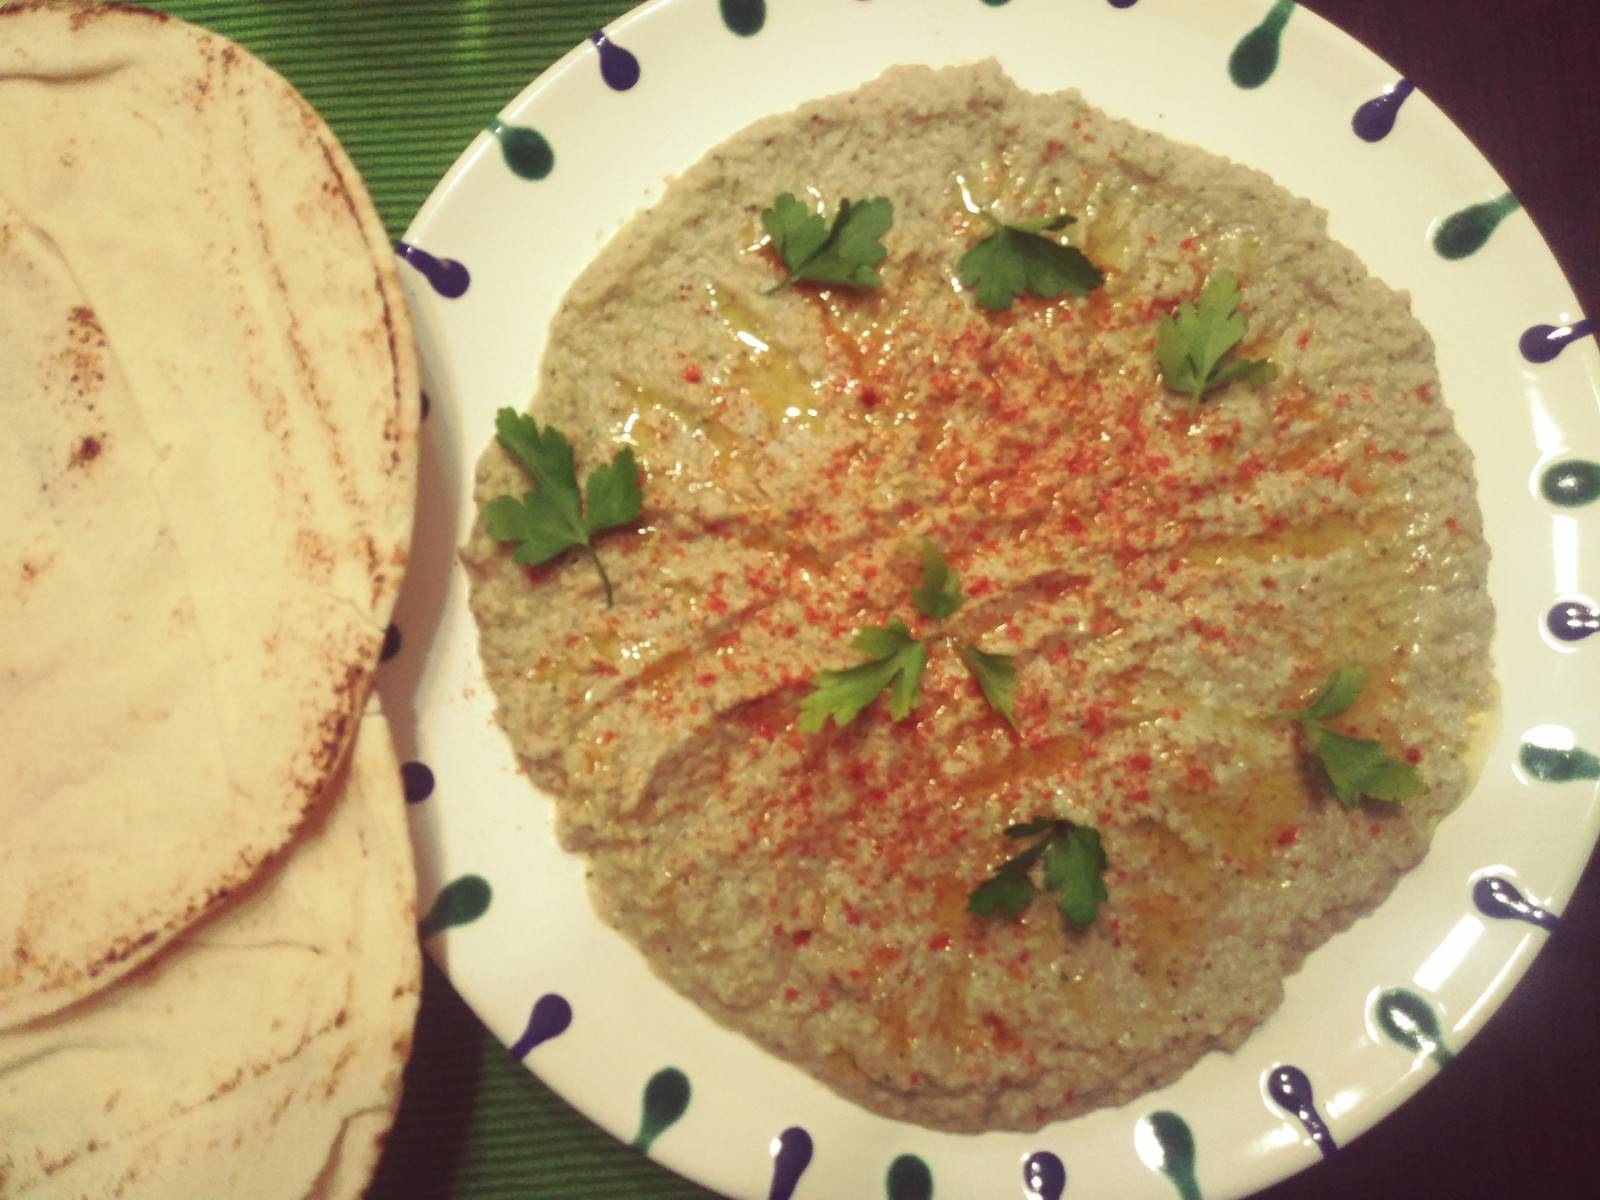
point(940, 593)
point(1192, 343)
point(1018, 258)
point(1355, 767)
point(939, 597)
point(895, 661)
point(1074, 873)
point(847, 254)
point(549, 521)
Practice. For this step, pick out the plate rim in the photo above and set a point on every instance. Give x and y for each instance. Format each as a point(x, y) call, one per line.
point(1520, 956)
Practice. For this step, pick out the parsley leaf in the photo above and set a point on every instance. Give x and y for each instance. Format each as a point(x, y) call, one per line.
point(611, 496)
point(1018, 258)
point(1074, 866)
point(940, 593)
point(895, 661)
point(1355, 767)
point(1358, 767)
point(1007, 893)
point(1190, 344)
point(938, 598)
point(1338, 694)
point(848, 254)
point(1074, 863)
point(549, 521)
point(997, 676)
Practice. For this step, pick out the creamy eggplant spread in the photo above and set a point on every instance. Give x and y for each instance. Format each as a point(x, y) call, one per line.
point(1167, 577)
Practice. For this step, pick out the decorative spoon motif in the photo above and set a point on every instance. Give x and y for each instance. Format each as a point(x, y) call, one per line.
point(445, 275)
point(1571, 484)
point(417, 781)
point(1409, 1021)
point(1571, 621)
point(1255, 58)
point(1291, 1091)
point(666, 1099)
point(1043, 1176)
point(1558, 766)
point(1165, 1144)
point(618, 67)
point(791, 1155)
point(525, 150)
point(1498, 898)
point(459, 902)
point(1464, 233)
point(744, 17)
point(909, 1179)
point(1541, 343)
point(550, 1017)
point(1375, 119)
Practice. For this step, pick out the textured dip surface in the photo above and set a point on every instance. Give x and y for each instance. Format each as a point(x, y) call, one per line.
point(1166, 578)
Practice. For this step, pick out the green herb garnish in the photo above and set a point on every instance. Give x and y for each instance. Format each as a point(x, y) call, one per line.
point(895, 661)
point(1355, 767)
point(939, 597)
point(848, 253)
point(940, 593)
point(1018, 258)
point(996, 676)
point(1337, 695)
point(1192, 343)
point(549, 521)
point(1074, 866)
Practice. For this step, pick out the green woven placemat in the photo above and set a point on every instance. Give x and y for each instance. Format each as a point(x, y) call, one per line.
point(474, 1125)
point(406, 84)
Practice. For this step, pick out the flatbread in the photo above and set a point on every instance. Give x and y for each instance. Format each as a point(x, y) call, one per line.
point(211, 399)
point(258, 1057)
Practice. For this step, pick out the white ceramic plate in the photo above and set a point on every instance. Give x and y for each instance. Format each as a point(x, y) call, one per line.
point(518, 217)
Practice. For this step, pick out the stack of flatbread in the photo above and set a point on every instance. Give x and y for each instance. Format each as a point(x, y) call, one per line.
point(208, 961)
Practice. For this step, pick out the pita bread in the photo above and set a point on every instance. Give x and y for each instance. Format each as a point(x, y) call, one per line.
point(210, 393)
point(259, 1056)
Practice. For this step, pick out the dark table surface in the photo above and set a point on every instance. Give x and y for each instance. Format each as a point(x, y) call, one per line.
point(1510, 1119)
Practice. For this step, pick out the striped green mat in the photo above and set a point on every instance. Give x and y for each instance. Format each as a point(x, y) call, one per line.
point(475, 1125)
point(406, 84)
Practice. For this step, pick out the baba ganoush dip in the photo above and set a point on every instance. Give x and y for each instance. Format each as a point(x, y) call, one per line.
point(1168, 577)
